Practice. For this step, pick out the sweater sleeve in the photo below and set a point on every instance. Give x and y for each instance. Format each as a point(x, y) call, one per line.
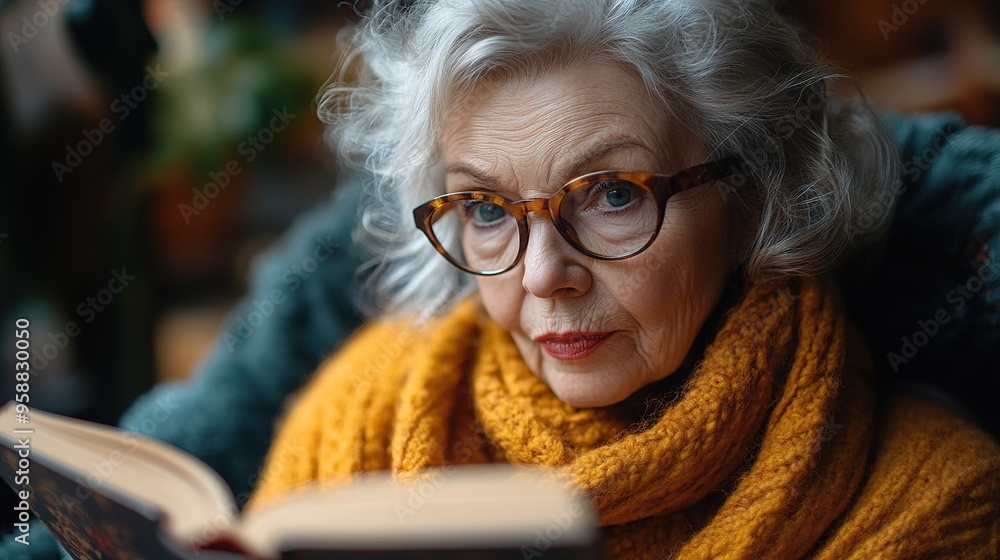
point(271, 341)
point(930, 309)
point(943, 475)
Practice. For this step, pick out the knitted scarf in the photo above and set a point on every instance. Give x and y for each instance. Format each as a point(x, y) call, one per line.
point(769, 449)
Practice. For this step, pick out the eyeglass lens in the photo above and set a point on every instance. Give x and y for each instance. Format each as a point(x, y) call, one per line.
point(609, 218)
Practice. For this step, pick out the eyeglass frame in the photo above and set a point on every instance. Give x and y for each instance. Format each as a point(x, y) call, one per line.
point(660, 185)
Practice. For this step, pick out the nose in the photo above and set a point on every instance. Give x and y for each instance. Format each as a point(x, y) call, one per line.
point(552, 268)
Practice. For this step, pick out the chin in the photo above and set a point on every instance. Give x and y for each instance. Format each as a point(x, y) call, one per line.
point(586, 393)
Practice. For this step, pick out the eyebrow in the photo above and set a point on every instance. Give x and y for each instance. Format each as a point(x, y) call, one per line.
point(574, 170)
point(476, 174)
point(598, 150)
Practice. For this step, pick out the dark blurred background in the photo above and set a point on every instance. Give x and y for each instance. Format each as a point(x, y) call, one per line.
point(149, 149)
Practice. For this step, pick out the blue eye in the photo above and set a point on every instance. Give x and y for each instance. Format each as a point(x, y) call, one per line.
point(614, 194)
point(489, 212)
point(618, 197)
point(484, 213)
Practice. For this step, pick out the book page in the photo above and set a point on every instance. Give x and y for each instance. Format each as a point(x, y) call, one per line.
point(462, 508)
point(195, 502)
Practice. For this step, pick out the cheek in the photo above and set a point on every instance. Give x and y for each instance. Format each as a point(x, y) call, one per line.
point(650, 290)
point(502, 296)
point(675, 284)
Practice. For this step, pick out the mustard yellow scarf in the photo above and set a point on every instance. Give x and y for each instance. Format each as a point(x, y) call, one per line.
point(773, 448)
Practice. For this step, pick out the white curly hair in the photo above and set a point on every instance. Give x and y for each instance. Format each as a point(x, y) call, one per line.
point(734, 72)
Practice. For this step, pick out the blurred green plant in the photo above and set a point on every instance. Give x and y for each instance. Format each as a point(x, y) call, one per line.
point(247, 71)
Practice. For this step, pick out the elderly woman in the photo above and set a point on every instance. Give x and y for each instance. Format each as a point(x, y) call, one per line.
point(607, 229)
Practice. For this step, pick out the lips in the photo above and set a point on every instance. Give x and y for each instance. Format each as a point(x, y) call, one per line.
point(571, 345)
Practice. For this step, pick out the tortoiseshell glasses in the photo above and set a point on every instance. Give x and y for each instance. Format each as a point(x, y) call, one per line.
point(608, 215)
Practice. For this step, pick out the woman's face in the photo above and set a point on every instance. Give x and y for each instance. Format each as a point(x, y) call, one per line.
point(595, 331)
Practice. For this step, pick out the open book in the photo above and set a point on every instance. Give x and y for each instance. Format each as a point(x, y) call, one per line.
point(106, 493)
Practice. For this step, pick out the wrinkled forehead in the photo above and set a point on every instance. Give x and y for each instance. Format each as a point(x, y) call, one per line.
point(548, 118)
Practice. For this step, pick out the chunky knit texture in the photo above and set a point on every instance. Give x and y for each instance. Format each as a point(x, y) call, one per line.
point(774, 447)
